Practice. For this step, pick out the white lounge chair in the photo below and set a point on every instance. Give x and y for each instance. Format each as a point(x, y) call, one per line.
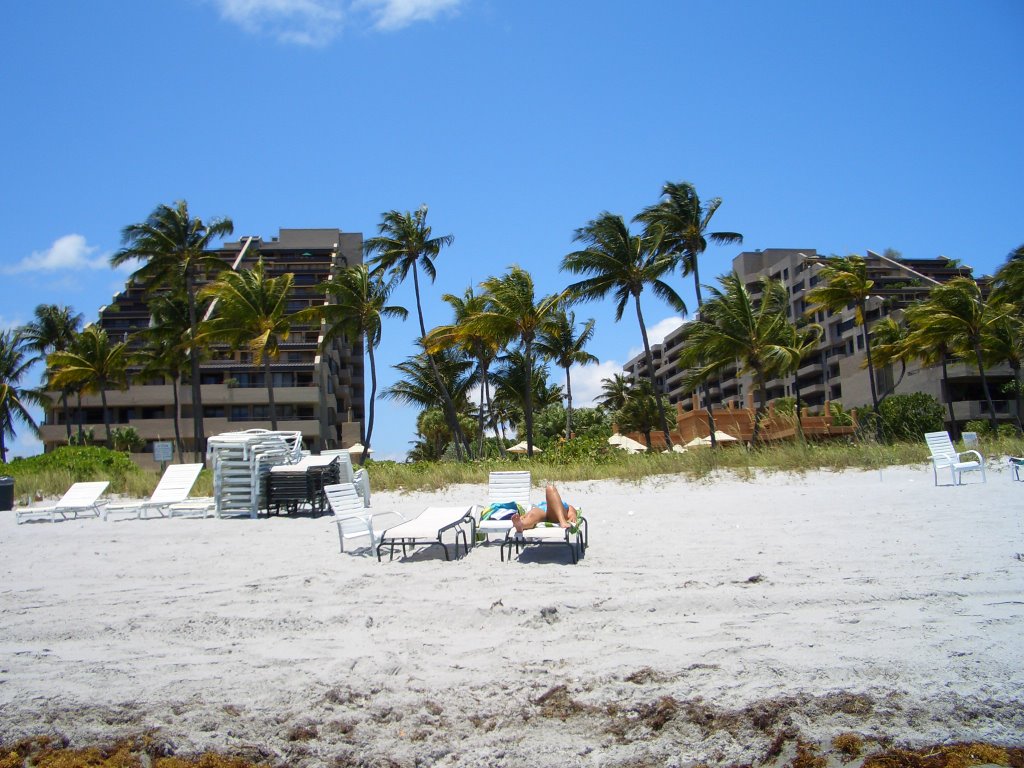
point(945, 455)
point(80, 499)
point(351, 516)
point(428, 529)
point(504, 488)
point(549, 533)
point(360, 478)
point(173, 489)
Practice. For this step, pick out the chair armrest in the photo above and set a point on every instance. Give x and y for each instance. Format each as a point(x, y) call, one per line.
point(981, 459)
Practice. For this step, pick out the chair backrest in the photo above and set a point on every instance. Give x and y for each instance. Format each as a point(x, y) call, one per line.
point(83, 494)
point(503, 487)
point(344, 500)
point(176, 484)
point(347, 473)
point(940, 445)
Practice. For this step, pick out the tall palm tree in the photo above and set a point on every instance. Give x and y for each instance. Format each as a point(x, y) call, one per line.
point(174, 249)
point(958, 312)
point(52, 330)
point(890, 344)
point(93, 364)
point(624, 265)
point(565, 347)
point(404, 244)
point(639, 411)
point(167, 342)
point(481, 347)
point(1009, 279)
point(252, 311)
point(15, 361)
point(1004, 343)
point(513, 313)
point(802, 342)
point(614, 391)
point(734, 327)
point(845, 281)
point(683, 221)
point(359, 303)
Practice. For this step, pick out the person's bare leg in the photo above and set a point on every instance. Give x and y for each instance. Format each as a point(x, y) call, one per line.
point(529, 520)
point(556, 510)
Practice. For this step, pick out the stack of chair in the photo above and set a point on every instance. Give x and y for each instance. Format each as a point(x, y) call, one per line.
point(301, 484)
point(241, 460)
point(360, 478)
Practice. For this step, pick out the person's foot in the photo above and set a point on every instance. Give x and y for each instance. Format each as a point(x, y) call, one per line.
point(517, 522)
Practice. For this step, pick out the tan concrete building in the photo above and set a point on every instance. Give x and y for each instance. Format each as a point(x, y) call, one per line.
point(318, 392)
point(836, 372)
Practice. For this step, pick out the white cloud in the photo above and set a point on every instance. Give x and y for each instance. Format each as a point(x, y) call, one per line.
point(396, 14)
point(316, 23)
point(586, 381)
point(300, 22)
point(656, 333)
point(67, 253)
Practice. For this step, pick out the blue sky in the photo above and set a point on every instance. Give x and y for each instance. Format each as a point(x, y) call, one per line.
point(835, 126)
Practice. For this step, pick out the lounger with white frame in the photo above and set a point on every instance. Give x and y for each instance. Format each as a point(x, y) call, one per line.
point(173, 489)
point(504, 488)
point(574, 538)
point(944, 455)
point(353, 518)
point(81, 499)
point(429, 529)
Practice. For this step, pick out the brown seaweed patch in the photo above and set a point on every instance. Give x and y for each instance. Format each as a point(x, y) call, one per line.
point(961, 755)
point(557, 703)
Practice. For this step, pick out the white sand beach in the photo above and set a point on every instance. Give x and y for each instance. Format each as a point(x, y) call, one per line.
point(708, 621)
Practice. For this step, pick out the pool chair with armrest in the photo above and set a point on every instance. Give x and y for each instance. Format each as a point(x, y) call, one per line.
point(944, 455)
point(353, 518)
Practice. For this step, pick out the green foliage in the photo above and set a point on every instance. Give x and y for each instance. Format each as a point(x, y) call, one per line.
point(52, 473)
point(549, 424)
point(785, 406)
point(87, 437)
point(127, 439)
point(909, 416)
point(984, 429)
point(840, 417)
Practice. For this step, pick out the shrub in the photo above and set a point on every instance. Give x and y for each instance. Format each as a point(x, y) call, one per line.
point(53, 472)
point(909, 416)
point(127, 439)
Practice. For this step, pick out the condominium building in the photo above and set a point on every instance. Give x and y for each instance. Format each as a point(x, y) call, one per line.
point(836, 370)
point(318, 390)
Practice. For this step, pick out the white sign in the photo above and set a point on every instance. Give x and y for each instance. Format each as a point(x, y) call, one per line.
point(163, 452)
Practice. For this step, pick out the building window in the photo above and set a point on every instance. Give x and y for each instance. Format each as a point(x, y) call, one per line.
point(239, 413)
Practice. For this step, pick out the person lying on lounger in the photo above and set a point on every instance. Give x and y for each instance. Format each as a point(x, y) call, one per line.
point(553, 510)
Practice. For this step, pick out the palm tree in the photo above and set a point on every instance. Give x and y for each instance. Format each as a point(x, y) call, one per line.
point(481, 347)
point(174, 248)
point(560, 342)
point(614, 391)
point(733, 327)
point(889, 344)
point(623, 264)
point(93, 364)
point(1004, 343)
point(931, 347)
point(53, 330)
point(15, 400)
point(1009, 279)
point(958, 312)
point(252, 311)
point(803, 341)
point(844, 281)
point(358, 307)
point(513, 313)
point(167, 342)
point(683, 222)
point(403, 245)
point(639, 411)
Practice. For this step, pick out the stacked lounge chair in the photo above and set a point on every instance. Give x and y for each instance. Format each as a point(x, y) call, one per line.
point(240, 462)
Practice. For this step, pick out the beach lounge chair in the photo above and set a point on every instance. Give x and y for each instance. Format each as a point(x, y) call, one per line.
point(1016, 462)
point(428, 529)
point(360, 478)
point(944, 455)
point(81, 499)
point(173, 488)
point(351, 516)
point(503, 488)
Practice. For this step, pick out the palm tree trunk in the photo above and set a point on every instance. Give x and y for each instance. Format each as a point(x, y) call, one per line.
point(528, 394)
point(649, 358)
point(106, 413)
point(373, 397)
point(481, 416)
point(1016, 393)
point(984, 385)
point(67, 412)
point(81, 423)
point(3, 447)
point(799, 415)
point(871, 374)
point(568, 405)
point(499, 430)
point(447, 406)
point(701, 389)
point(199, 440)
point(762, 398)
point(270, 391)
point(177, 426)
point(949, 397)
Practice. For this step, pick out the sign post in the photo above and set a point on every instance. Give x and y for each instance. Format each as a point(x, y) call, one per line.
point(163, 453)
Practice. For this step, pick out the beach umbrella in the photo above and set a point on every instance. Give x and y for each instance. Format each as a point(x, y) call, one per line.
point(357, 448)
point(722, 437)
point(627, 444)
point(698, 442)
point(521, 448)
point(678, 449)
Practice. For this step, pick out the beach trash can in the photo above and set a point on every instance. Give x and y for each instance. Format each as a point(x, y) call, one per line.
point(6, 493)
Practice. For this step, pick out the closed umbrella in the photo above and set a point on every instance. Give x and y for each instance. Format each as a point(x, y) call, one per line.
point(627, 444)
point(521, 448)
point(698, 442)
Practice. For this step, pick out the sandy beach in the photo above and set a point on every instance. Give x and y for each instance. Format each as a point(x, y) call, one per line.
point(719, 621)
